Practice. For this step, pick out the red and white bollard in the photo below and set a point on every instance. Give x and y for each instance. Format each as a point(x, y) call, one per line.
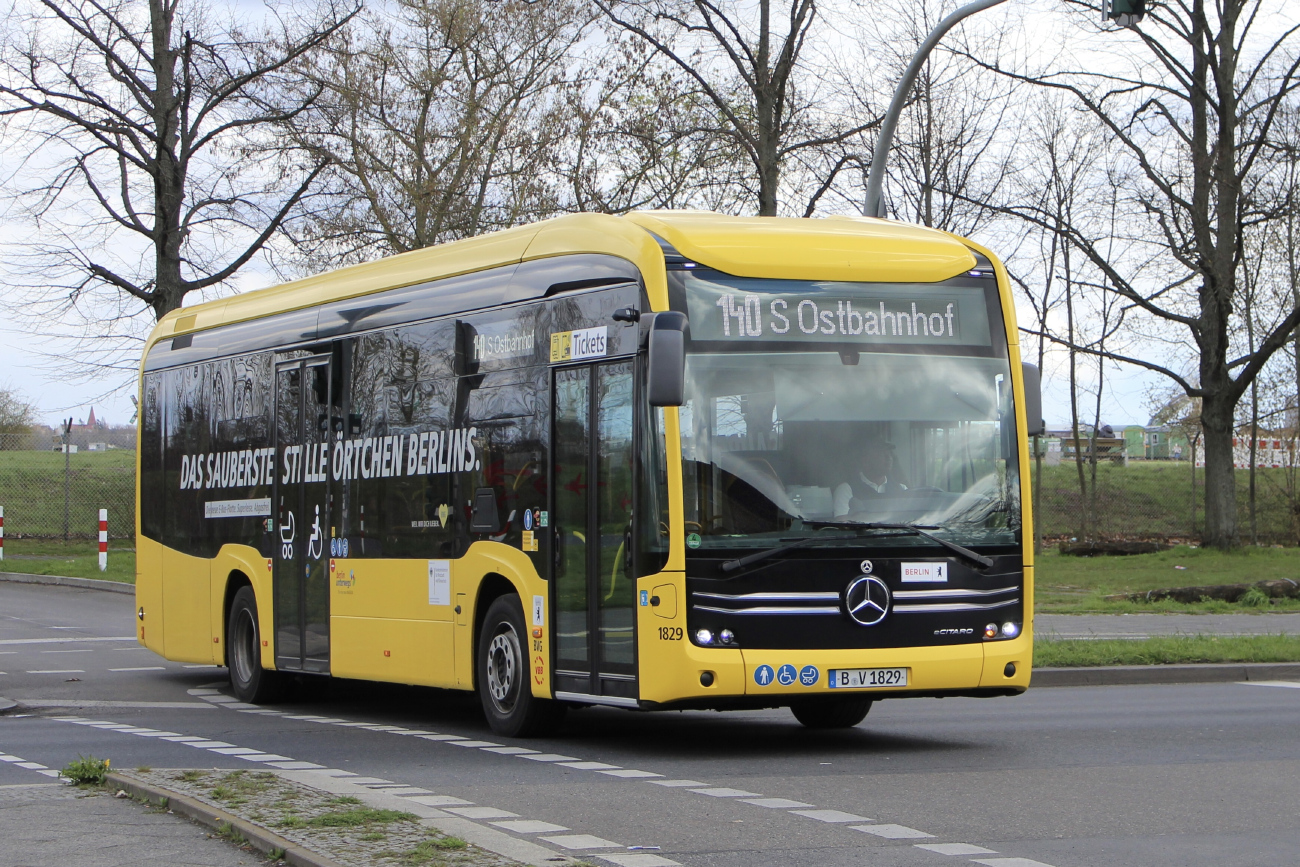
point(103, 539)
point(2, 532)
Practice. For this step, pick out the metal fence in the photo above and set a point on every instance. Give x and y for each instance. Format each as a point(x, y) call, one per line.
point(50, 494)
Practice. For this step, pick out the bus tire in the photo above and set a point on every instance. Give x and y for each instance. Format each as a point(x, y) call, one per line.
point(502, 674)
point(248, 680)
point(840, 713)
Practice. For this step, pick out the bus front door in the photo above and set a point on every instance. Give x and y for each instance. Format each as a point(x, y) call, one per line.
point(301, 575)
point(593, 595)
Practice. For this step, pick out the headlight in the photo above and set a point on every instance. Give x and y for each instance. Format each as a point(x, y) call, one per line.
point(703, 636)
point(1010, 630)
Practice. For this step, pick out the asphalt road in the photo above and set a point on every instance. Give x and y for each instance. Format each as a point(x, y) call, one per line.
point(1136, 775)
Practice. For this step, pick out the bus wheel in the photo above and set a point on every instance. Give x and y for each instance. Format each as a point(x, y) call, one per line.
point(250, 682)
point(503, 676)
point(842, 713)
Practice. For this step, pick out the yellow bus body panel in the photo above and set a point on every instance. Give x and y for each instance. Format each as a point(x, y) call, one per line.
point(382, 626)
point(149, 594)
point(186, 606)
point(788, 248)
point(249, 562)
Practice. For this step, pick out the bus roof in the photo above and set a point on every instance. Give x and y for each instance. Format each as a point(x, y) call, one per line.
point(836, 248)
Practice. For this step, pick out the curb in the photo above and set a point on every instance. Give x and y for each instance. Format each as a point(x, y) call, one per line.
point(258, 837)
point(65, 581)
point(1127, 675)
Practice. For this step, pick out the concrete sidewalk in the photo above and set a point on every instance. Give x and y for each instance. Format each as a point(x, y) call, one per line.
point(1146, 625)
point(56, 825)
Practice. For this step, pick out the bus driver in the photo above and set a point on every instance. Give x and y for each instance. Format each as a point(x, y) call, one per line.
point(872, 481)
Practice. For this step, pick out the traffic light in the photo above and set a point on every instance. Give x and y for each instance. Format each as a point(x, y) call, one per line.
point(1125, 13)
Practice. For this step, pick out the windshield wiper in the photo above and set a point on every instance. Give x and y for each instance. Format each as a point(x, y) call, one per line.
point(919, 529)
point(757, 556)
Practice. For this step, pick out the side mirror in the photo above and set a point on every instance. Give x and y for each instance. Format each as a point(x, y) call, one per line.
point(1033, 400)
point(667, 374)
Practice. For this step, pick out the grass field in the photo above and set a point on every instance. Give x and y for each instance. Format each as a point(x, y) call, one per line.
point(32, 492)
point(1078, 585)
point(1154, 499)
point(1168, 650)
point(76, 559)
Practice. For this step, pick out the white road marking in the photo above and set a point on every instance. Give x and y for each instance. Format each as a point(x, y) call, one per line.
point(203, 691)
point(1010, 862)
point(830, 815)
point(73, 702)
point(955, 848)
point(511, 751)
point(85, 650)
point(776, 803)
point(265, 757)
point(439, 801)
point(208, 744)
point(723, 792)
point(60, 640)
point(482, 813)
point(631, 774)
point(529, 826)
point(639, 859)
point(205, 665)
point(892, 832)
point(588, 766)
point(678, 784)
point(1286, 684)
point(295, 766)
point(31, 766)
point(475, 743)
point(551, 757)
point(582, 841)
point(442, 738)
point(400, 789)
point(58, 671)
point(235, 751)
point(142, 668)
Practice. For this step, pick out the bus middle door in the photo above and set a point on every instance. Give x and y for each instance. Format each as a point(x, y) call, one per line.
point(301, 576)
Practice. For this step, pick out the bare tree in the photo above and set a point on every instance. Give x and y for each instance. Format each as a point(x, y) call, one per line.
point(141, 121)
point(748, 61)
point(1192, 118)
point(953, 148)
point(443, 119)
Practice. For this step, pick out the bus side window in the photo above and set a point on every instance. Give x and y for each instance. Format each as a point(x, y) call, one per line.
point(152, 481)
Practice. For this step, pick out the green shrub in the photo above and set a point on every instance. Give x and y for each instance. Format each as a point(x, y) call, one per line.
point(86, 771)
point(1254, 598)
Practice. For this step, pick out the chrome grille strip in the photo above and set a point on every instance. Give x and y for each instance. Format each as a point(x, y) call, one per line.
point(951, 594)
point(771, 610)
point(771, 597)
point(952, 606)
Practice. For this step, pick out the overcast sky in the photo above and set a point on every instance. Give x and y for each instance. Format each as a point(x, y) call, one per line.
point(26, 364)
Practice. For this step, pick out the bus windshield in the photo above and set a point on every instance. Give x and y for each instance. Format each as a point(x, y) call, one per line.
point(782, 437)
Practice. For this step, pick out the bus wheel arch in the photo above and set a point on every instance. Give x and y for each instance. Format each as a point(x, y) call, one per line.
point(501, 667)
point(234, 581)
point(248, 680)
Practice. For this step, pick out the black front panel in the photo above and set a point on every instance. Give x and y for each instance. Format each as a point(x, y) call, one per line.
point(798, 602)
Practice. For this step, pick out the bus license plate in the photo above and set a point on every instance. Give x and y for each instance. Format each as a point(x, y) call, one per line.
point(863, 678)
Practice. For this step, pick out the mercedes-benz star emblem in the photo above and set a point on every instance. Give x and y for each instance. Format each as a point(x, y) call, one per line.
point(867, 600)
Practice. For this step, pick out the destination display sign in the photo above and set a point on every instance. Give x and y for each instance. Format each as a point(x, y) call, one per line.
point(734, 309)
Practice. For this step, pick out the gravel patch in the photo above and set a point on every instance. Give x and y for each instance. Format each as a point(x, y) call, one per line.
point(341, 828)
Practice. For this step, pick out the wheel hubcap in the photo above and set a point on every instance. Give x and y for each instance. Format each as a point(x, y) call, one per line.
point(504, 662)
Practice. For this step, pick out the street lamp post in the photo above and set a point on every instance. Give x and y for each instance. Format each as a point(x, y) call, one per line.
point(875, 203)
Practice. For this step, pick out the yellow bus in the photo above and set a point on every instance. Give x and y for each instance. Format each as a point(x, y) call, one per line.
point(658, 461)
